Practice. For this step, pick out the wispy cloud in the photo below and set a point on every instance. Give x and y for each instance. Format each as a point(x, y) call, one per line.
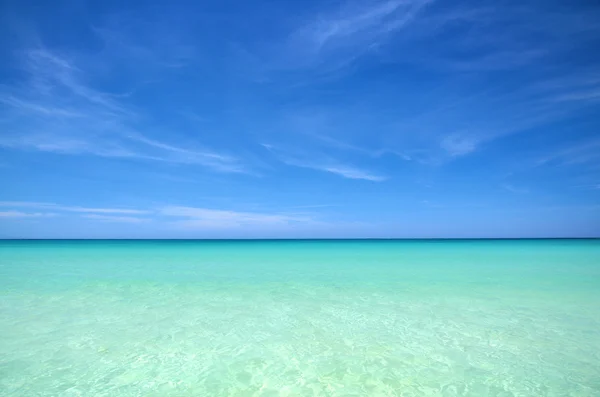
point(514, 189)
point(102, 210)
point(21, 214)
point(456, 125)
point(348, 172)
point(57, 109)
point(471, 46)
point(312, 206)
point(41, 109)
point(353, 29)
point(471, 38)
point(25, 204)
point(581, 90)
point(180, 216)
point(457, 145)
point(342, 170)
point(116, 219)
point(325, 41)
point(498, 36)
point(192, 217)
point(57, 207)
point(326, 164)
point(585, 152)
point(155, 40)
point(170, 153)
point(592, 94)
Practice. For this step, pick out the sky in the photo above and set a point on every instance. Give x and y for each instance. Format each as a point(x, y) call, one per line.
point(299, 119)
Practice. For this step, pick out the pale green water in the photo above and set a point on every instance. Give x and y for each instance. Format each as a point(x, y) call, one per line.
point(307, 318)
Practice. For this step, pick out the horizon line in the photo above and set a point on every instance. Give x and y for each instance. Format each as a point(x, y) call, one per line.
point(306, 239)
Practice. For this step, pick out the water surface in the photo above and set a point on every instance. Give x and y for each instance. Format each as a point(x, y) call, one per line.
point(300, 318)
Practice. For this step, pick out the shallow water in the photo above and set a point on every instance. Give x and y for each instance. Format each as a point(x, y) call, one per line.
point(303, 318)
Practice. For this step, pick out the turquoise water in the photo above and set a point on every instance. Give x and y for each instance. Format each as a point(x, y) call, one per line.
point(300, 318)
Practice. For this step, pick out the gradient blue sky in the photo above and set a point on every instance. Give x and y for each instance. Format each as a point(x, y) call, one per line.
point(393, 118)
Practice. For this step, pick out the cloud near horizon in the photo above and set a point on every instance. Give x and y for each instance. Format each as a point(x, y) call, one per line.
point(179, 216)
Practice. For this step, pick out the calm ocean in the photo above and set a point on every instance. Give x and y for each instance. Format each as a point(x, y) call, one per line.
point(300, 318)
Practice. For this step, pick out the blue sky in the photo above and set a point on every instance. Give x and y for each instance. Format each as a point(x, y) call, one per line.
point(394, 118)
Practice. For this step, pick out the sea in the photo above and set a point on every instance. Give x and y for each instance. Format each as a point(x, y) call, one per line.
point(181, 318)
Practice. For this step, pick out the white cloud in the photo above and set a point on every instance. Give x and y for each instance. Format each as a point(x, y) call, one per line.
point(501, 35)
point(25, 204)
point(583, 95)
point(151, 39)
point(56, 207)
point(479, 40)
point(337, 37)
point(20, 214)
point(102, 210)
point(117, 219)
point(182, 216)
point(325, 165)
point(354, 24)
point(26, 106)
point(192, 217)
point(457, 145)
point(580, 153)
point(55, 109)
point(345, 171)
point(351, 173)
point(514, 189)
